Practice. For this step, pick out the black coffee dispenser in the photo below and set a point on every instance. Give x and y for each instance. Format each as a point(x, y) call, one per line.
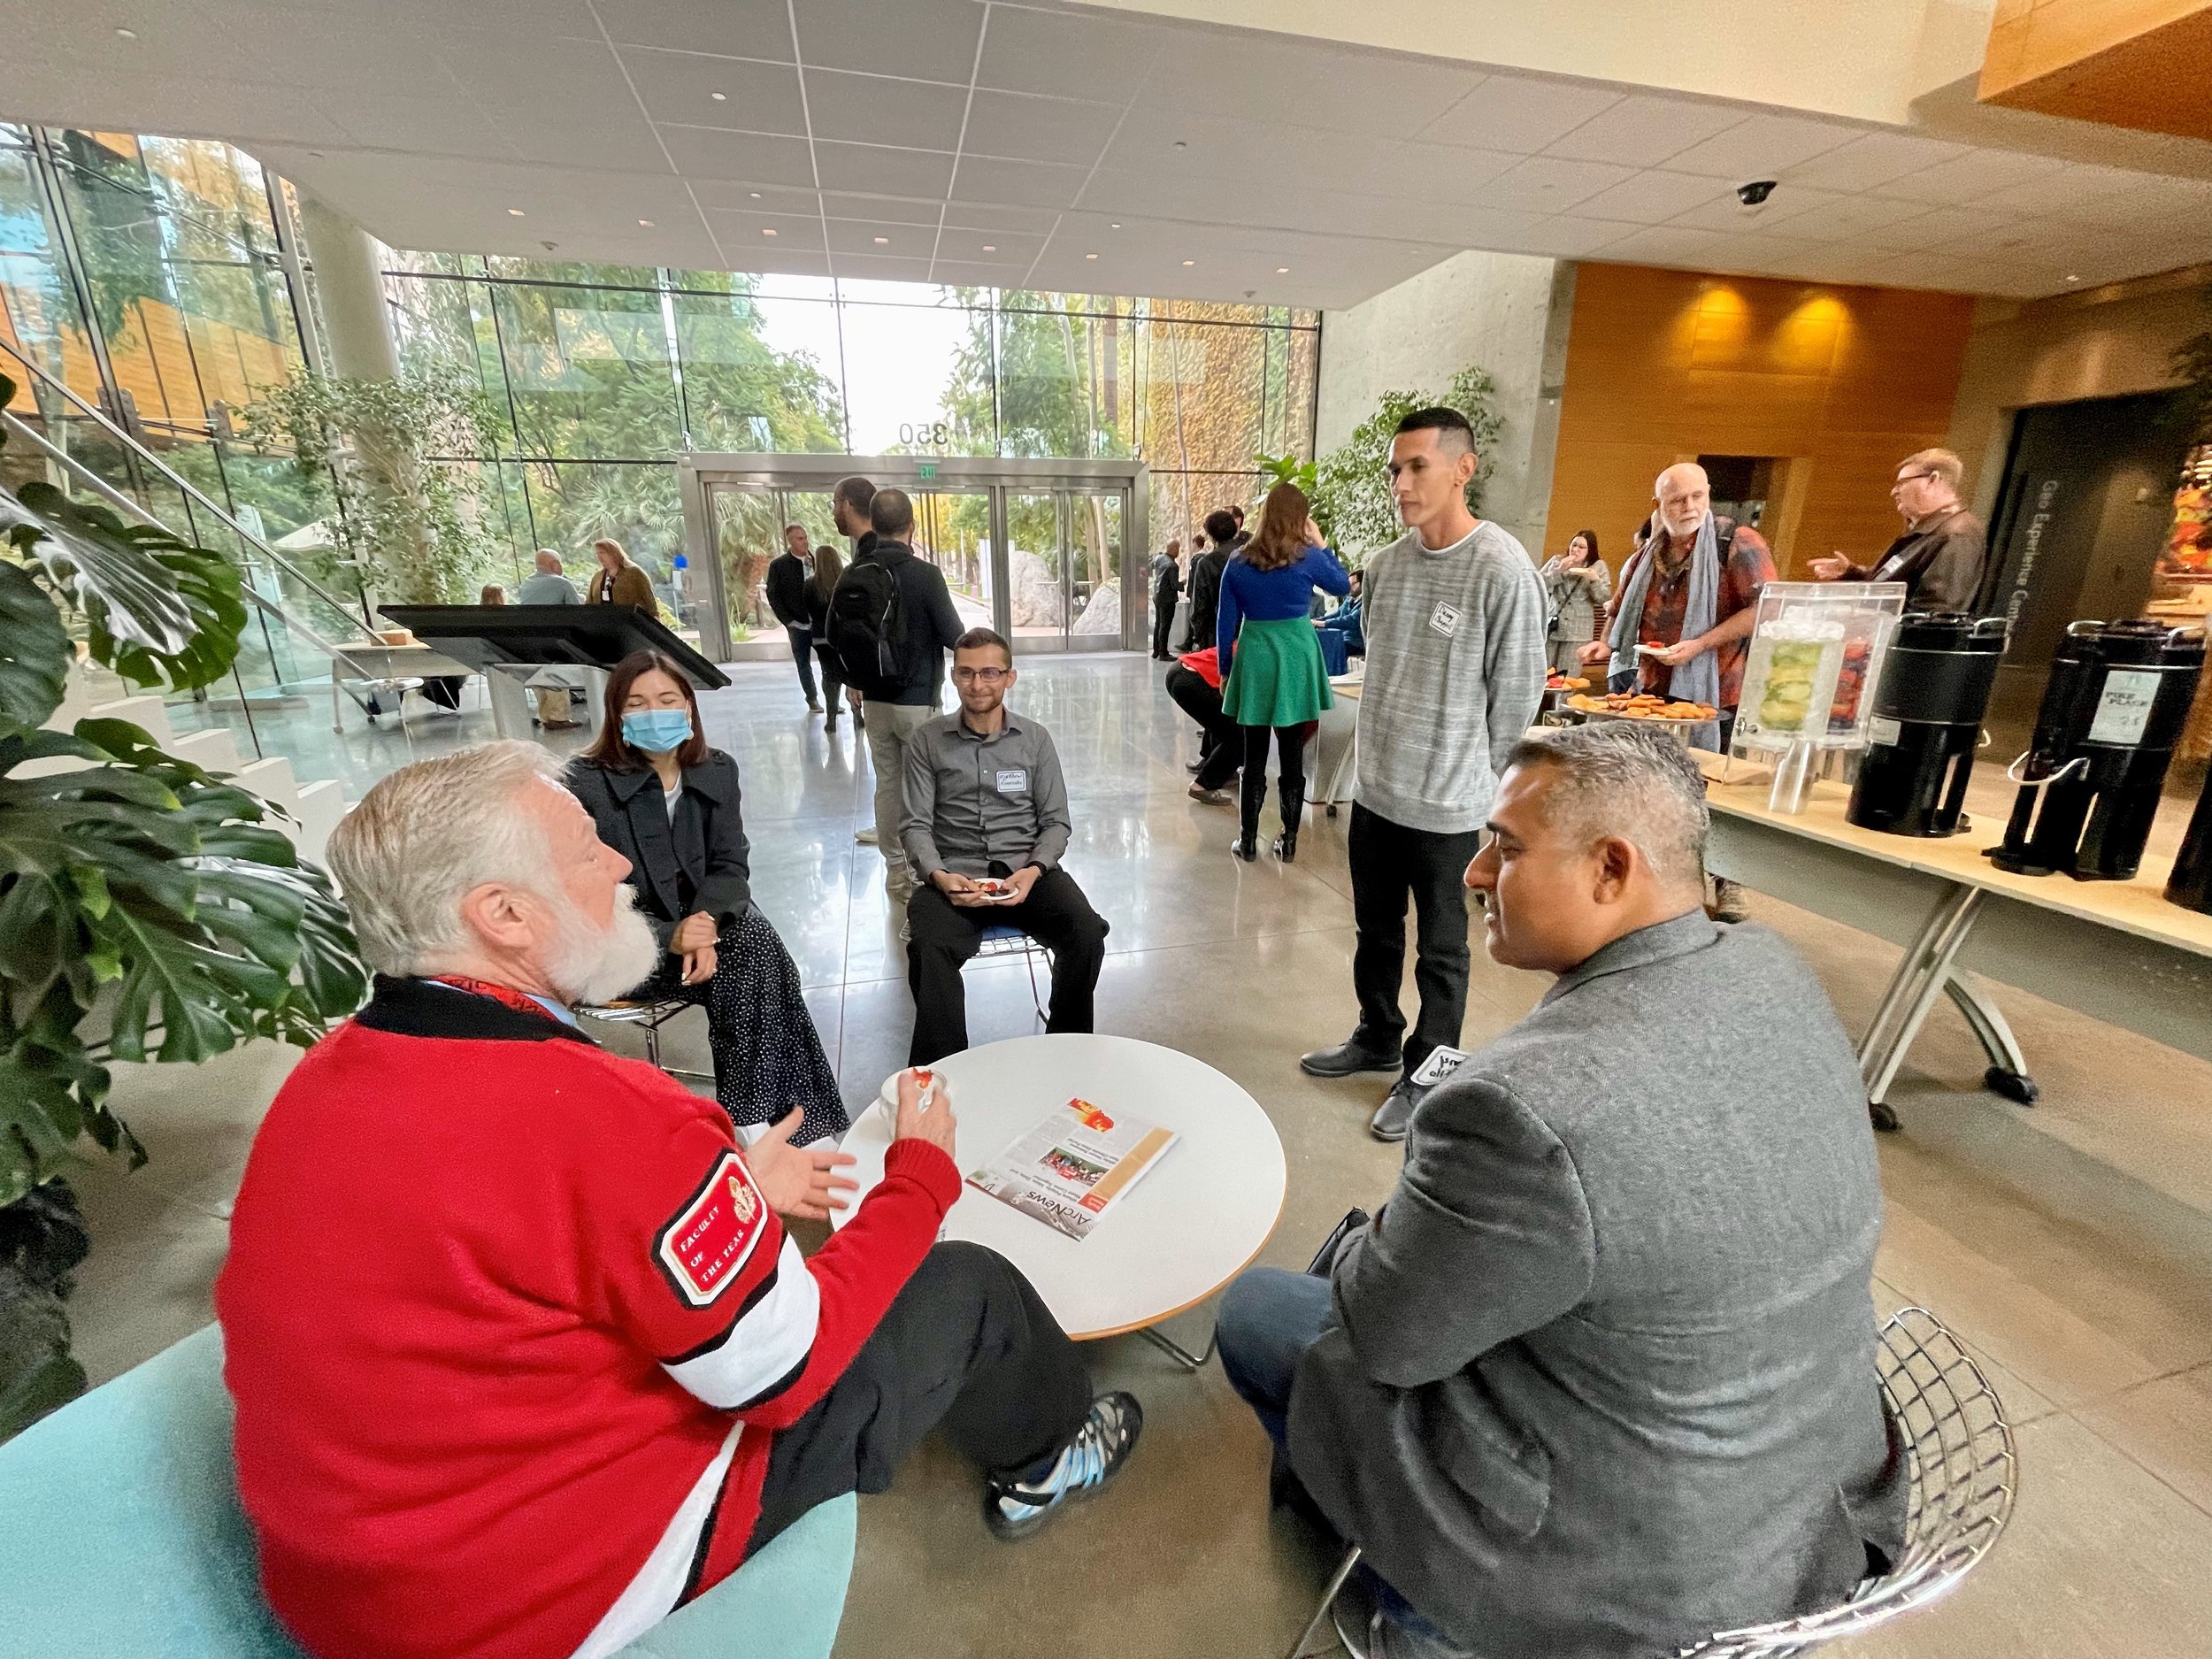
point(2112, 712)
point(1927, 722)
point(2191, 884)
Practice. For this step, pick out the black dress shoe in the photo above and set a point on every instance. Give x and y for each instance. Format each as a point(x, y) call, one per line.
point(1246, 848)
point(1882, 1117)
point(1348, 1057)
point(1393, 1116)
point(1286, 846)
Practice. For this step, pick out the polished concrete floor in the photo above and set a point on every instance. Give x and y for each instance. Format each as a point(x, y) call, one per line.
point(2071, 1245)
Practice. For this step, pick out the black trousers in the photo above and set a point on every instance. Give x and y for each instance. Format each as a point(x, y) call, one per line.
point(1162, 620)
point(1390, 863)
point(1222, 750)
point(942, 936)
point(1290, 762)
point(833, 678)
point(803, 653)
point(967, 1344)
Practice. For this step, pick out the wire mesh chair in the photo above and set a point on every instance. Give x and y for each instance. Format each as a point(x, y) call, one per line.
point(1963, 1473)
point(648, 1015)
point(1003, 939)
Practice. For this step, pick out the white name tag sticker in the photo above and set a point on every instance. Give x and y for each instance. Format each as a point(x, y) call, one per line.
point(1884, 733)
point(1014, 780)
point(1445, 618)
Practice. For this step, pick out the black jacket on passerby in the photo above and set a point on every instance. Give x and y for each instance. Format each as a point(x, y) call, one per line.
point(1205, 593)
point(786, 589)
point(928, 625)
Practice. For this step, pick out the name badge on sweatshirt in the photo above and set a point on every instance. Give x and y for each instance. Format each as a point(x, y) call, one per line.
point(1445, 618)
point(1014, 780)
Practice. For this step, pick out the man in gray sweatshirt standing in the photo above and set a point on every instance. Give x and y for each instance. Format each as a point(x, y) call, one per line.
point(1454, 615)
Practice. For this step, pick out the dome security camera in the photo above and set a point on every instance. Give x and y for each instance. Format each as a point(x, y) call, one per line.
point(1754, 194)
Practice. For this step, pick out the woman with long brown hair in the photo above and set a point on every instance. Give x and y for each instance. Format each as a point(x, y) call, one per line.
point(669, 803)
point(1274, 683)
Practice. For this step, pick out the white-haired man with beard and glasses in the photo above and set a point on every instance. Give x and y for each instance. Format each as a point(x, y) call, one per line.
point(523, 1357)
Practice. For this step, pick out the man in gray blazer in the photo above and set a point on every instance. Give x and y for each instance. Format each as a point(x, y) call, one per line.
point(1599, 1379)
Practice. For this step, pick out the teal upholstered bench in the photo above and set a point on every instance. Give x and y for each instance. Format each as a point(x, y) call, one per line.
point(121, 1538)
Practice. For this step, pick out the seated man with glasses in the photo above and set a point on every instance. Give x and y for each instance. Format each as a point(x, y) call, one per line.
point(986, 822)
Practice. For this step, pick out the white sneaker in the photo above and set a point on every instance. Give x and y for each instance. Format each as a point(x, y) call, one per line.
point(866, 838)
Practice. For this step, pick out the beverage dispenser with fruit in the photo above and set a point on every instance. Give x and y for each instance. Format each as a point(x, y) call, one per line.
point(1816, 648)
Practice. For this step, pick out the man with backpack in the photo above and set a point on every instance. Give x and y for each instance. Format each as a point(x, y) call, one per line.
point(891, 622)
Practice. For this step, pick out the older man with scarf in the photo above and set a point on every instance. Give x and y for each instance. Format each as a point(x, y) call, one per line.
point(1682, 619)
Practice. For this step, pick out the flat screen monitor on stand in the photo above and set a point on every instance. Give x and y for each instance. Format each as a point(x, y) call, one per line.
point(506, 643)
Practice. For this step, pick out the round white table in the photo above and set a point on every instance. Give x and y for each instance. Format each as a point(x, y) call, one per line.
point(1195, 1222)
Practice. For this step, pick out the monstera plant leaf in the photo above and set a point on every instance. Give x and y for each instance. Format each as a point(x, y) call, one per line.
point(35, 659)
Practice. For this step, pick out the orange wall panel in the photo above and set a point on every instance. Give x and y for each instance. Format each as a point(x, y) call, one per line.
point(1665, 365)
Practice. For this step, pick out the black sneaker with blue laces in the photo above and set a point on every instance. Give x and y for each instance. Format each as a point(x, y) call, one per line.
point(1095, 1456)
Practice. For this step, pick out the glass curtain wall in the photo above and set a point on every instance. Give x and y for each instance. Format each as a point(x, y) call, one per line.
point(604, 374)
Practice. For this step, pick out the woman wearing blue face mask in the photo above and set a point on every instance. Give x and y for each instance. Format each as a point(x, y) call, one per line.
point(669, 803)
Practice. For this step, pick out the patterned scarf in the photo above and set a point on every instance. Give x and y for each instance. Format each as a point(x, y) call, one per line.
point(1697, 680)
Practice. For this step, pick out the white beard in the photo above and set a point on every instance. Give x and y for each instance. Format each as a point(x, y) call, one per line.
point(589, 966)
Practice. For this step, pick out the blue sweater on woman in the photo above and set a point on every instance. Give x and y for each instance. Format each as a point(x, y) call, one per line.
point(1273, 596)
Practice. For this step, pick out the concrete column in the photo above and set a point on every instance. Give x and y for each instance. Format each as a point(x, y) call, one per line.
point(349, 290)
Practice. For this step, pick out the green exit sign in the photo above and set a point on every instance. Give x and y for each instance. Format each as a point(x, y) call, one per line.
point(929, 469)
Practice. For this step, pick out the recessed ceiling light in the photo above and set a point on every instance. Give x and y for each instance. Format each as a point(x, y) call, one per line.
point(1116, 225)
point(882, 241)
point(1282, 270)
point(129, 35)
point(990, 247)
point(1181, 144)
point(765, 231)
point(514, 213)
point(719, 97)
point(2073, 279)
point(1090, 256)
point(754, 194)
point(1190, 262)
point(646, 223)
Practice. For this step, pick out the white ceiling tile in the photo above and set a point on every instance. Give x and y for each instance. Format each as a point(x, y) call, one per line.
point(1572, 238)
point(1784, 207)
point(1652, 197)
point(1036, 221)
point(1763, 147)
point(617, 137)
point(878, 171)
point(1438, 172)
point(757, 97)
point(891, 210)
point(1032, 52)
point(1939, 227)
point(878, 109)
point(755, 198)
point(978, 273)
point(488, 69)
point(707, 152)
point(1271, 78)
point(739, 233)
point(1038, 129)
point(1968, 178)
point(1495, 228)
point(1667, 245)
point(1018, 183)
point(779, 261)
point(931, 40)
point(987, 246)
point(858, 235)
point(1872, 159)
point(378, 119)
point(1641, 131)
point(1518, 113)
point(1545, 184)
point(737, 28)
point(1848, 216)
point(902, 268)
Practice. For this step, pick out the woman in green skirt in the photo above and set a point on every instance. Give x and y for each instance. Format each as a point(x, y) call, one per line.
point(1273, 680)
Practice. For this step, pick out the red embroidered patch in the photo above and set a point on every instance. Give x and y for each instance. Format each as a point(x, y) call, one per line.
point(707, 1242)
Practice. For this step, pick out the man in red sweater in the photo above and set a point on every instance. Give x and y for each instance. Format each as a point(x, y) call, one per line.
point(523, 1357)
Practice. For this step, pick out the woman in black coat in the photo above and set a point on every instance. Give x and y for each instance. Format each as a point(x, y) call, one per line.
point(669, 805)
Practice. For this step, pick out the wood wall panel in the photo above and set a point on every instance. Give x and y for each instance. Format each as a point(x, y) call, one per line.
point(1665, 365)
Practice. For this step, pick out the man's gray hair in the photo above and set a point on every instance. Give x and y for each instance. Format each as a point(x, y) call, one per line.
point(1618, 778)
point(1939, 464)
point(423, 836)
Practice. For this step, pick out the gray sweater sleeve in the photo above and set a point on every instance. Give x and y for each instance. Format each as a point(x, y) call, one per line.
point(1514, 662)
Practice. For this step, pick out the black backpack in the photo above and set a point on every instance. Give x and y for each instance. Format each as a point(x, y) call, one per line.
point(867, 624)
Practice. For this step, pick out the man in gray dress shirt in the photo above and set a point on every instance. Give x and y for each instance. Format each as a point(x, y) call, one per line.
point(986, 822)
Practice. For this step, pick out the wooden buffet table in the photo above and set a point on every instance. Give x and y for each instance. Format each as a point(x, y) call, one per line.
point(2114, 950)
